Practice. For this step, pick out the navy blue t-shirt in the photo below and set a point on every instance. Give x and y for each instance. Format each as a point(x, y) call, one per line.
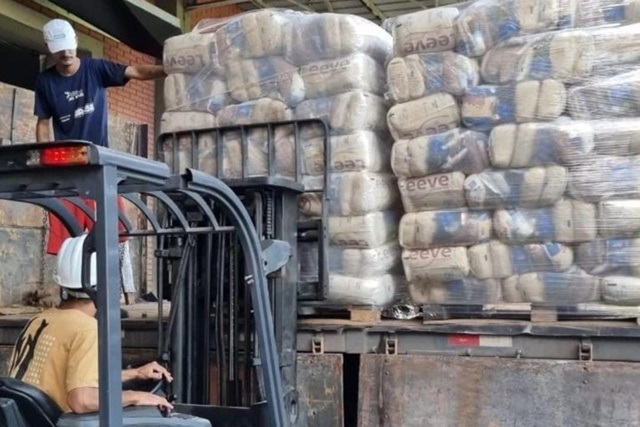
point(77, 105)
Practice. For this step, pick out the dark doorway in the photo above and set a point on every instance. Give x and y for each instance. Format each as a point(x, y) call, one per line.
point(20, 65)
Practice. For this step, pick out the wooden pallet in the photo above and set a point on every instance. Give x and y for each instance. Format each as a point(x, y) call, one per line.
point(356, 314)
point(530, 312)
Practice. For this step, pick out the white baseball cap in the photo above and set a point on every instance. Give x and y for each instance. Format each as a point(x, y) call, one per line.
point(59, 35)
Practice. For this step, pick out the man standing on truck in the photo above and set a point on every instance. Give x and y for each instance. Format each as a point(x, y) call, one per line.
point(71, 96)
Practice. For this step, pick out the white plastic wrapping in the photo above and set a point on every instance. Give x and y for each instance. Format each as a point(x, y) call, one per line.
point(418, 75)
point(354, 194)
point(516, 147)
point(356, 72)
point(487, 106)
point(347, 112)
point(457, 150)
point(485, 23)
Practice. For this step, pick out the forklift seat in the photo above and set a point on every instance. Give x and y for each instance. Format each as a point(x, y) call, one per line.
point(36, 407)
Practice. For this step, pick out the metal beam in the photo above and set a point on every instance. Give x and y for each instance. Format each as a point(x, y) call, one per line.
point(215, 4)
point(300, 5)
point(374, 9)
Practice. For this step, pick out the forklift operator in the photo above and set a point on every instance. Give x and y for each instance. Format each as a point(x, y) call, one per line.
point(57, 351)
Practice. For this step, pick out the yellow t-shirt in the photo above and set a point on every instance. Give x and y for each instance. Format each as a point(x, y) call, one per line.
point(57, 351)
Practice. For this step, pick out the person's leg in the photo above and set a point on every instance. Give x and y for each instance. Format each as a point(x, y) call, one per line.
point(126, 271)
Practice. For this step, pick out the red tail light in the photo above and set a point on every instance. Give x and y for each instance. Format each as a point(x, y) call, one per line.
point(63, 156)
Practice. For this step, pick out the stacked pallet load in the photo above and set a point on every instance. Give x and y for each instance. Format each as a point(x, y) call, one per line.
point(515, 126)
point(270, 66)
point(342, 61)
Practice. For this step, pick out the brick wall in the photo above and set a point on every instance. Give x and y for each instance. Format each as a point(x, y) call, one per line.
point(196, 15)
point(135, 101)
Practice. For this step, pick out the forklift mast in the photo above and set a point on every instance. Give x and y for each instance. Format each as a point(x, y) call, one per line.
point(271, 198)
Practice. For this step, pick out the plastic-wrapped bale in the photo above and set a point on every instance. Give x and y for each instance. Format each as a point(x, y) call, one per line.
point(377, 292)
point(251, 112)
point(356, 72)
point(610, 97)
point(619, 218)
point(573, 286)
point(180, 121)
point(315, 37)
point(616, 137)
point(621, 290)
point(468, 290)
point(365, 231)
point(346, 113)
point(613, 257)
point(486, 23)
point(564, 141)
point(425, 31)
point(487, 106)
point(560, 142)
point(570, 56)
point(418, 75)
point(433, 192)
point(435, 264)
point(454, 227)
point(529, 187)
point(366, 262)
point(269, 77)
point(597, 178)
point(497, 260)
point(250, 35)
point(363, 277)
point(191, 53)
point(356, 152)
point(428, 115)
point(457, 150)
point(195, 92)
point(566, 221)
point(353, 194)
point(564, 55)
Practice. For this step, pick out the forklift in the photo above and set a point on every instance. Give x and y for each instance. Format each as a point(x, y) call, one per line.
point(226, 260)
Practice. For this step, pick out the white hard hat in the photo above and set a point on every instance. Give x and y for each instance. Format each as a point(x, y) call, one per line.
point(69, 267)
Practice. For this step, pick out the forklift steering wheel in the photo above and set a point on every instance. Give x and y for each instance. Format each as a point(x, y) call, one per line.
point(162, 389)
point(159, 388)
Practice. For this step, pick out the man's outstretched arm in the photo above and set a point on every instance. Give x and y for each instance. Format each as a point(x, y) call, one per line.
point(144, 72)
